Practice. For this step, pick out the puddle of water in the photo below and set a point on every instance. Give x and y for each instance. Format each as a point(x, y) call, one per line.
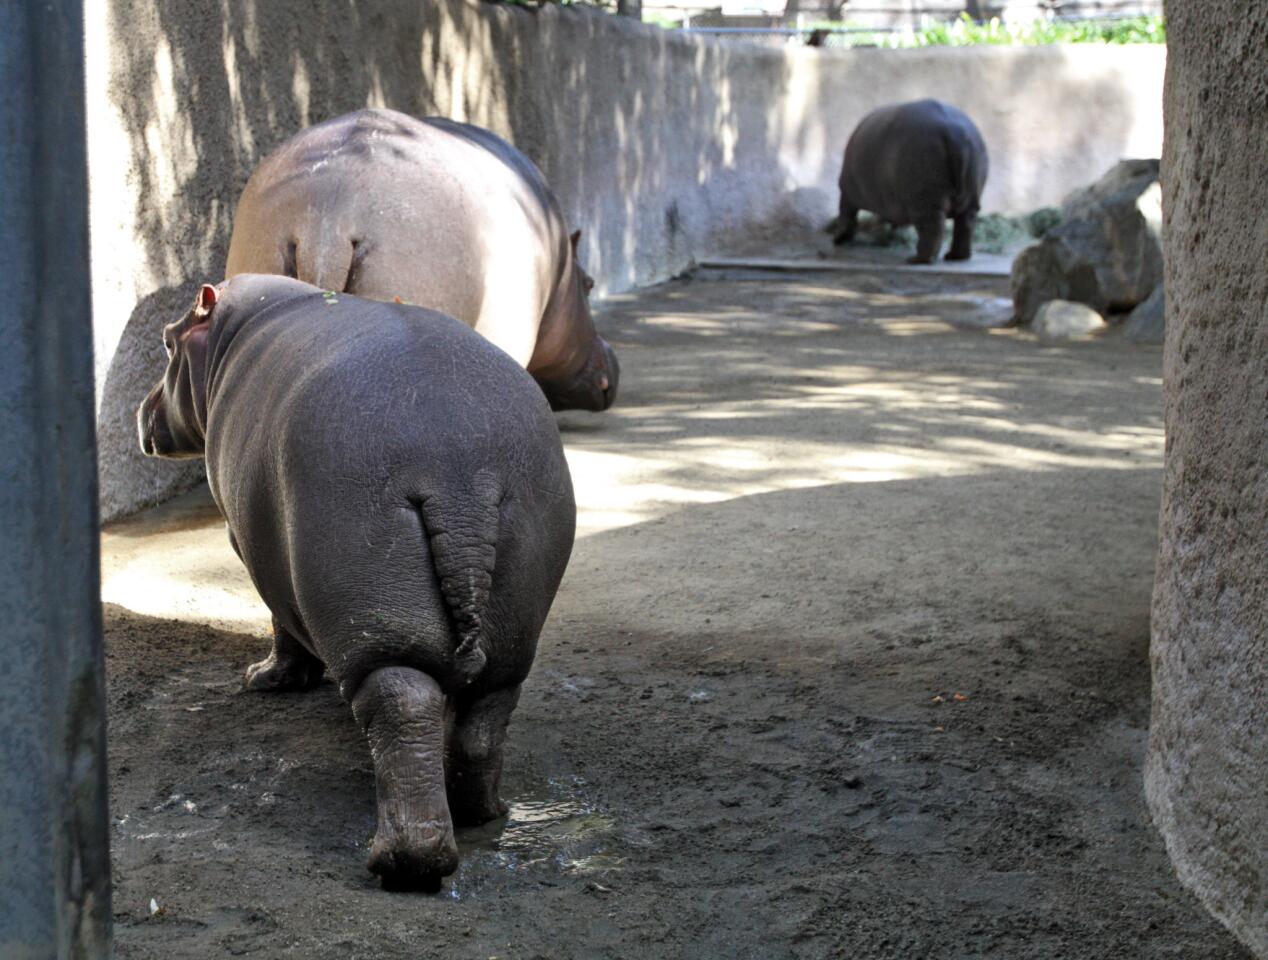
point(552, 829)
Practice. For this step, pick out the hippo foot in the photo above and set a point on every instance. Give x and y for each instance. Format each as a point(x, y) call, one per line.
point(472, 806)
point(276, 674)
point(402, 711)
point(917, 259)
point(958, 255)
point(416, 856)
point(473, 774)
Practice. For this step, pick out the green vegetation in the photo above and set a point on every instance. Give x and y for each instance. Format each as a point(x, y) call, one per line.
point(967, 32)
point(996, 233)
point(992, 233)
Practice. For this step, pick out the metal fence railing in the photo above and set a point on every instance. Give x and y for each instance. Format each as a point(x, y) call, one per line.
point(849, 22)
point(807, 31)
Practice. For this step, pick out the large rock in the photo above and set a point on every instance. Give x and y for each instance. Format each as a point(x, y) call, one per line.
point(1106, 251)
point(1206, 773)
point(1067, 320)
point(1146, 324)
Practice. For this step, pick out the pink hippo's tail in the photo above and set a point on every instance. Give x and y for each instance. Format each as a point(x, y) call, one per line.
point(324, 259)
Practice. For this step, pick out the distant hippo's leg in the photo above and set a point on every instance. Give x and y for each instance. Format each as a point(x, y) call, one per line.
point(962, 236)
point(475, 757)
point(402, 711)
point(289, 667)
point(847, 223)
point(928, 239)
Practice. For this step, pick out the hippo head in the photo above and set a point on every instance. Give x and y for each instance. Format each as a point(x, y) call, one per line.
point(171, 421)
point(574, 366)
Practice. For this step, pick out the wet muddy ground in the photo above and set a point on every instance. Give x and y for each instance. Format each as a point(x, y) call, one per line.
point(850, 661)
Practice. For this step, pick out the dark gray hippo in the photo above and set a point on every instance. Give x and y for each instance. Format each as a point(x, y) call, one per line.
point(440, 214)
point(915, 163)
point(396, 487)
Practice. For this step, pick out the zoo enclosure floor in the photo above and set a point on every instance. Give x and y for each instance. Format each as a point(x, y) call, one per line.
point(851, 659)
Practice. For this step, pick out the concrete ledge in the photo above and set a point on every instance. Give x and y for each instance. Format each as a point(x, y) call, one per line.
point(980, 266)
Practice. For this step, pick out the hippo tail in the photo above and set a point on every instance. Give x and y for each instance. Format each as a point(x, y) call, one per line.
point(324, 261)
point(462, 531)
point(964, 167)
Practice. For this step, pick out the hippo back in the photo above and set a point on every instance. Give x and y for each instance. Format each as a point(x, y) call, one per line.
point(331, 419)
point(906, 160)
point(436, 213)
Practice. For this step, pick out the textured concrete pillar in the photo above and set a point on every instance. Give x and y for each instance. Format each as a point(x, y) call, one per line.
point(1207, 769)
point(54, 863)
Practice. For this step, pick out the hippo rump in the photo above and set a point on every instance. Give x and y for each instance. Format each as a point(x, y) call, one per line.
point(915, 163)
point(436, 213)
point(396, 487)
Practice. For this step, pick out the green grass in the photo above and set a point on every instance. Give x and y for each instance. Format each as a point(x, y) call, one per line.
point(966, 32)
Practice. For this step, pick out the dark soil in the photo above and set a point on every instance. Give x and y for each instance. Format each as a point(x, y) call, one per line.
point(778, 711)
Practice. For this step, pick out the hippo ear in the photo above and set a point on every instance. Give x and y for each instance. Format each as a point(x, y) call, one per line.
point(575, 239)
point(207, 298)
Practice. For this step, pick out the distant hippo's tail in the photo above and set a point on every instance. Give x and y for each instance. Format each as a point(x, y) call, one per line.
point(462, 530)
point(324, 259)
point(966, 168)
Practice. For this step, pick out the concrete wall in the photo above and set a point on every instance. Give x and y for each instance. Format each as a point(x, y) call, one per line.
point(1207, 769)
point(660, 146)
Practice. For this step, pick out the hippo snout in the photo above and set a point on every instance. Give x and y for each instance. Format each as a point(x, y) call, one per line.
point(593, 387)
point(150, 425)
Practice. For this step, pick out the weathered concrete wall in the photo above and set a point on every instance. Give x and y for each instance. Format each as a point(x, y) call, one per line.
point(660, 146)
point(1207, 768)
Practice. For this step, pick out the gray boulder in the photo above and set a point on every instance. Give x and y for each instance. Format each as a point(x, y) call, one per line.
point(1066, 320)
point(1107, 250)
point(1145, 323)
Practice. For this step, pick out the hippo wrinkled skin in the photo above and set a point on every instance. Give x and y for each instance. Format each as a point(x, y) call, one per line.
point(915, 163)
point(437, 213)
point(396, 487)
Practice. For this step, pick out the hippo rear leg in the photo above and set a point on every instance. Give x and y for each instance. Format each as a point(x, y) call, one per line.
point(847, 223)
point(402, 711)
point(288, 667)
point(928, 239)
point(475, 757)
point(962, 236)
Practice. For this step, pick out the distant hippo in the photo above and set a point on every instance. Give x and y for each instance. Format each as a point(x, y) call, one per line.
point(915, 163)
point(440, 214)
point(396, 487)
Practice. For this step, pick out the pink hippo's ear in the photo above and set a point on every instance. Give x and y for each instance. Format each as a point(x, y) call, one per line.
point(574, 239)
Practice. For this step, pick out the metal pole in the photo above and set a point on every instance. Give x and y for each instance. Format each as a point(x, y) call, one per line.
point(54, 857)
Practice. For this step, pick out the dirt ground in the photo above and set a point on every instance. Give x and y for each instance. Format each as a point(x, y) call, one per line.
point(850, 661)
